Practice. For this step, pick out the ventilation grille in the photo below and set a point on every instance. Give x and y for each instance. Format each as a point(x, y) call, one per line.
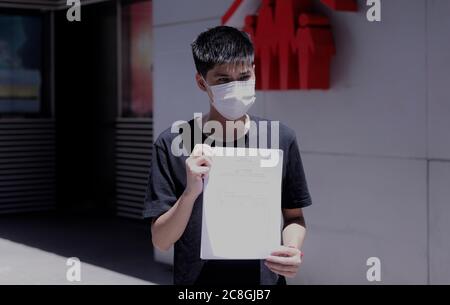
point(133, 155)
point(27, 165)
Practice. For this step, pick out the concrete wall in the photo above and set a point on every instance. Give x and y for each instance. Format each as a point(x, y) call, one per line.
point(376, 147)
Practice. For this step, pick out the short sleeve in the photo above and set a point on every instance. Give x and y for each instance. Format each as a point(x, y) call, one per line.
point(160, 193)
point(295, 193)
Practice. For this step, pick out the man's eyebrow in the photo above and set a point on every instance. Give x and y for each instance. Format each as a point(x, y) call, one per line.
point(221, 74)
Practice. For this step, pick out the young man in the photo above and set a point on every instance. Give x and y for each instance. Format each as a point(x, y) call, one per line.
point(223, 58)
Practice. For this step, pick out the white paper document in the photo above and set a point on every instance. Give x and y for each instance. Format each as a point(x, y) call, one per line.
point(242, 204)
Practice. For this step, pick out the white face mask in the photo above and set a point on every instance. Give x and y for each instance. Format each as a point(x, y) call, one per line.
point(232, 100)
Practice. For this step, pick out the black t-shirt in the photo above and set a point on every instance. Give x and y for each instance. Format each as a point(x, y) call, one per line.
point(167, 181)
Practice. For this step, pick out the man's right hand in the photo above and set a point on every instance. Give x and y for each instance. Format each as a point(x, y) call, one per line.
point(198, 165)
point(170, 226)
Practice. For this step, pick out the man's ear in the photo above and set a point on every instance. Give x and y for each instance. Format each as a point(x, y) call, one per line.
point(200, 82)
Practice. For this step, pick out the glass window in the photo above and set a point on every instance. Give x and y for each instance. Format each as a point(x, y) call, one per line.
point(20, 64)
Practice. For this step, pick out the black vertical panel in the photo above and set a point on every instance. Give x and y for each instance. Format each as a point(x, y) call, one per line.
point(86, 107)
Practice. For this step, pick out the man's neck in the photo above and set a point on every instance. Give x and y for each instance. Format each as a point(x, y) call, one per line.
point(214, 115)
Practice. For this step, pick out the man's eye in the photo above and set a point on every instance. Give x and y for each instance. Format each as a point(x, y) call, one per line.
point(245, 77)
point(223, 80)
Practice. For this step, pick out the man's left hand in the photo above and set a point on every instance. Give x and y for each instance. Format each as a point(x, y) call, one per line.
point(285, 261)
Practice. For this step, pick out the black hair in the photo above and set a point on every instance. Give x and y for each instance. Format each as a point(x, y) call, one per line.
point(221, 45)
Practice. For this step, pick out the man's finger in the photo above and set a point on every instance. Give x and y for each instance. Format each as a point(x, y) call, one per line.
point(203, 160)
point(200, 170)
point(283, 273)
point(207, 150)
point(285, 251)
point(284, 268)
point(202, 150)
point(197, 151)
point(293, 261)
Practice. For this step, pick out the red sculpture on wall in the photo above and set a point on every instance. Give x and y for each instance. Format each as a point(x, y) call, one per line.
point(293, 45)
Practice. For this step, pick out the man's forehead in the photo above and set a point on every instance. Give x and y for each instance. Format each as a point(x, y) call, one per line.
point(231, 69)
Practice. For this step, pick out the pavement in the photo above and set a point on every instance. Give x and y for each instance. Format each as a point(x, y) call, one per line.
point(35, 248)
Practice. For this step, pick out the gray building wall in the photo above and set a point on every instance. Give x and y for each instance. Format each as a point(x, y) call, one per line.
point(376, 147)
